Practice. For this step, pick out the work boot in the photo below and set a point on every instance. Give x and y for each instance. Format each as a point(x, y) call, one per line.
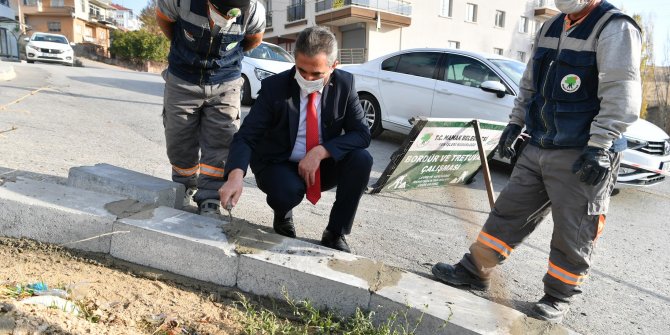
point(551, 309)
point(210, 208)
point(457, 275)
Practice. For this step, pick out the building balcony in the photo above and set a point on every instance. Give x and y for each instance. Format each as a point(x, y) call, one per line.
point(545, 9)
point(400, 7)
point(48, 11)
point(395, 13)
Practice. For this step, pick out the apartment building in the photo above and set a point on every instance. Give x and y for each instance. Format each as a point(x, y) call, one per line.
point(367, 29)
point(86, 22)
point(8, 31)
point(125, 18)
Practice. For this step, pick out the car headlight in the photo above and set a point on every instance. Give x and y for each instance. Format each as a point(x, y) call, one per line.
point(666, 148)
point(262, 74)
point(33, 47)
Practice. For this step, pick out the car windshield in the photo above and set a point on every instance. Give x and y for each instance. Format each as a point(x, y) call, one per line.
point(511, 68)
point(50, 38)
point(270, 52)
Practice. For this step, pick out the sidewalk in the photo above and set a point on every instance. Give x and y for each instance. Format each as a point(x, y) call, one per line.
point(6, 71)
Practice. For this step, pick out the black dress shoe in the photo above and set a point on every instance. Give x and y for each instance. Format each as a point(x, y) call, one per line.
point(284, 226)
point(334, 241)
point(457, 275)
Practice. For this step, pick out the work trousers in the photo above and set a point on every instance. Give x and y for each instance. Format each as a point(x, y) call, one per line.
point(543, 181)
point(285, 189)
point(200, 121)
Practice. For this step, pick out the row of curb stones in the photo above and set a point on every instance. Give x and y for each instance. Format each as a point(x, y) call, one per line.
point(138, 218)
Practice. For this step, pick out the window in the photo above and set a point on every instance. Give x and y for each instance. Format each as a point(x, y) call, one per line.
point(30, 2)
point(498, 51)
point(467, 71)
point(447, 7)
point(454, 44)
point(523, 25)
point(54, 27)
point(390, 64)
point(471, 12)
point(57, 3)
point(500, 19)
point(521, 56)
point(420, 64)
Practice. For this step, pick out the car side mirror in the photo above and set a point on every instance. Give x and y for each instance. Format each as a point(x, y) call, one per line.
point(72, 44)
point(494, 87)
point(26, 39)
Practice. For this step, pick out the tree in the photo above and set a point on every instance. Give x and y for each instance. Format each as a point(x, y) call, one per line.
point(148, 18)
point(647, 67)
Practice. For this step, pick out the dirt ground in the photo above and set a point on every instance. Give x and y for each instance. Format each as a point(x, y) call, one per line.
point(115, 298)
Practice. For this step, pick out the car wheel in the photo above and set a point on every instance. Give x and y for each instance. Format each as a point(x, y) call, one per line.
point(245, 95)
point(372, 114)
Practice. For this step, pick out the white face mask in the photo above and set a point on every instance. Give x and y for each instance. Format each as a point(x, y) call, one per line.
point(219, 20)
point(309, 86)
point(571, 6)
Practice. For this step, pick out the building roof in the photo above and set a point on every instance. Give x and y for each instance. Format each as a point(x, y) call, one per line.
point(119, 7)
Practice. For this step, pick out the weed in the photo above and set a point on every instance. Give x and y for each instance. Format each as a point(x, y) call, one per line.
point(308, 320)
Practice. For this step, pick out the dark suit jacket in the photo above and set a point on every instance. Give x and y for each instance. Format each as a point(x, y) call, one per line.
point(268, 133)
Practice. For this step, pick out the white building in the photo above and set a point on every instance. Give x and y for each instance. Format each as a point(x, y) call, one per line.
point(367, 29)
point(8, 31)
point(125, 18)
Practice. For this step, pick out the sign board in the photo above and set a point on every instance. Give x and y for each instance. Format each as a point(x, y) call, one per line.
point(439, 152)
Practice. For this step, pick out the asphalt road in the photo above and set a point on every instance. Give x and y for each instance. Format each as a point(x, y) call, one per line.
point(65, 117)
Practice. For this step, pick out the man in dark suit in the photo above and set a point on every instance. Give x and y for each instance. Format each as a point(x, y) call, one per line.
point(305, 133)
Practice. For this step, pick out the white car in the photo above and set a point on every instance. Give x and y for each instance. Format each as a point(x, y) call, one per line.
point(45, 47)
point(260, 63)
point(459, 84)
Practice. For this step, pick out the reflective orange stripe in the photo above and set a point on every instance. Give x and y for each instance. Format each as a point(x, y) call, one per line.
point(163, 16)
point(565, 276)
point(495, 244)
point(185, 172)
point(211, 171)
point(601, 226)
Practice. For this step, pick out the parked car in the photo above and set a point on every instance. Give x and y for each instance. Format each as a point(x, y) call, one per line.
point(460, 84)
point(260, 63)
point(45, 47)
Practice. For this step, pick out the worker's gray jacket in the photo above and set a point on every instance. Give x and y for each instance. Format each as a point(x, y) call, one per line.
point(582, 86)
point(201, 55)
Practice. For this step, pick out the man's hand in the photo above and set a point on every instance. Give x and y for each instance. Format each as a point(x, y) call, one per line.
point(593, 165)
point(231, 191)
point(506, 144)
point(310, 163)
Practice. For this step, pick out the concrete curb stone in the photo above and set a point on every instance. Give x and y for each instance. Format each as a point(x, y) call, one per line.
point(6, 71)
point(105, 178)
point(179, 242)
point(56, 214)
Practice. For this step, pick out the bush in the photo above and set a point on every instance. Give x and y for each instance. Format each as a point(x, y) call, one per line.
point(139, 46)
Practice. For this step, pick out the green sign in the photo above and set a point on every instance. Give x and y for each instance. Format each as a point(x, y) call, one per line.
point(439, 152)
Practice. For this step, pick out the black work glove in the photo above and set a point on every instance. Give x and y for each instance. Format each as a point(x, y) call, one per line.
point(509, 135)
point(593, 165)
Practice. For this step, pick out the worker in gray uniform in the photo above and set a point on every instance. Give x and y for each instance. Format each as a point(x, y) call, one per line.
point(201, 104)
point(579, 93)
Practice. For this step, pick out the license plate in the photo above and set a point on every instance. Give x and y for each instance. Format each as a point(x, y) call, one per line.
point(51, 55)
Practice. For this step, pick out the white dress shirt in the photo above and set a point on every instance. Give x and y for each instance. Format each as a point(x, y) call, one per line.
point(299, 148)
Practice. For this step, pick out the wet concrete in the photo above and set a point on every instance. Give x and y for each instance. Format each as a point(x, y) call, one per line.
point(128, 207)
point(377, 274)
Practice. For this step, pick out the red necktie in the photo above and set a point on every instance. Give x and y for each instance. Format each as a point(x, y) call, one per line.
point(312, 140)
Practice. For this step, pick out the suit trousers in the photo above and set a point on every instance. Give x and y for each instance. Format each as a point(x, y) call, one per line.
point(200, 121)
point(543, 181)
point(285, 189)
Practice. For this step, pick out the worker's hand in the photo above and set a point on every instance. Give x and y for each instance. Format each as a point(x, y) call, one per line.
point(231, 190)
point(310, 163)
point(506, 144)
point(593, 166)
